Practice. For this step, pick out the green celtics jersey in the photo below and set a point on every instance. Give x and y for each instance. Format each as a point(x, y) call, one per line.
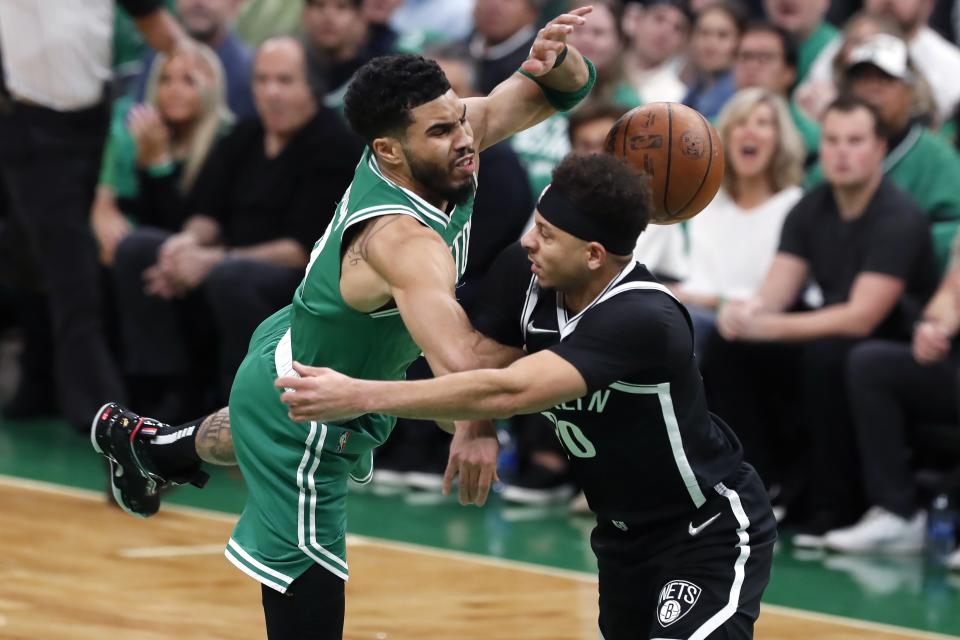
point(296, 473)
point(326, 332)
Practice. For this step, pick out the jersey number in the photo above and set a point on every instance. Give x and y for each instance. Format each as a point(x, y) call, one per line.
point(572, 437)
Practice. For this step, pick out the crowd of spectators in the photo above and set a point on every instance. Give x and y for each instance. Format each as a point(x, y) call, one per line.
point(163, 197)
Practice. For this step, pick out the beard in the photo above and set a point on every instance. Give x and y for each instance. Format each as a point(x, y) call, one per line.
point(437, 179)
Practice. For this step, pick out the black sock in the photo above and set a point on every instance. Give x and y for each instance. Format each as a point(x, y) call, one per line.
point(174, 451)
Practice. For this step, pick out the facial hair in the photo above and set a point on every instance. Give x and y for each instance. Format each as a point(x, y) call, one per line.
point(436, 179)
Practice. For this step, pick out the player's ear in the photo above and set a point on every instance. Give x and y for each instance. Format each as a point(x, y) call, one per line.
point(388, 150)
point(596, 255)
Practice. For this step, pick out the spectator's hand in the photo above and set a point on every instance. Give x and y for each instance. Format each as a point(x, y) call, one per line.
point(158, 283)
point(473, 456)
point(172, 247)
point(319, 394)
point(813, 98)
point(551, 40)
point(109, 226)
point(931, 343)
point(736, 319)
point(150, 135)
point(191, 265)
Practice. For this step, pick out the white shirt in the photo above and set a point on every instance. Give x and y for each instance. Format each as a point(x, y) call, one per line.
point(731, 248)
point(939, 62)
point(452, 18)
point(662, 249)
point(660, 84)
point(57, 52)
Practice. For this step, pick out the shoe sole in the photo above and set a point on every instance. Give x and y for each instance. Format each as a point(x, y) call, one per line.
point(520, 495)
point(112, 463)
point(423, 481)
point(891, 549)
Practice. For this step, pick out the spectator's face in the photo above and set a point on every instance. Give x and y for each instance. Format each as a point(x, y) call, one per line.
point(590, 136)
point(761, 62)
point(438, 148)
point(799, 17)
point(552, 252)
point(909, 14)
point(379, 11)
point(178, 90)
point(714, 41)
point(332, 24)
point(752, 142)
point(850, 152)
point(280, 90)
point(658, 33)
point(206, 19)
point(497, 20)
point(890, 96)
point(459, 75)
point(598, 39)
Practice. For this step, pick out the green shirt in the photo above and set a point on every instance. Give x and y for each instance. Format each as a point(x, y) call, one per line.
point(928, 169)
point(810, 48)
point(118, 166)
point(809, 129)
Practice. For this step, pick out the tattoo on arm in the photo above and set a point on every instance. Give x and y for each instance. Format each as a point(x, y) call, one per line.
point(357, 252)
point(214, 440)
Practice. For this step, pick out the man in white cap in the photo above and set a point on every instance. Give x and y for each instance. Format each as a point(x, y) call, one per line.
point(917, 160)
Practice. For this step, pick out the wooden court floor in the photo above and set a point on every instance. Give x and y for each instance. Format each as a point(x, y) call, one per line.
point(73, 569)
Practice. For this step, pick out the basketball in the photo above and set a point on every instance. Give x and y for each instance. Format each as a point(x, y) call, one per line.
point(678, 151)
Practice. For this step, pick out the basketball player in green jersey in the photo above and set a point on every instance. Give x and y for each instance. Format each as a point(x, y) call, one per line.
point(378, 290)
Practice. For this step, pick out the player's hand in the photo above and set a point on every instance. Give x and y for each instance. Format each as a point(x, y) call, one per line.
point(318, 394)
point(931, 343)
point(551, 40)
point(473, 456)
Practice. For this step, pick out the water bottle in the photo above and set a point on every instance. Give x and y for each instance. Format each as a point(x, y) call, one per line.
point(941, 529)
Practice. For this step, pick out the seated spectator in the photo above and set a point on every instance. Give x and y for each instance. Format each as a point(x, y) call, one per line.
point(918, 161)
point(155, 150)
point(336, 36)
point(866, 245)
point(504, 33)
point(805, 21)
point(601, 40)
point(382, 38)
point(764, 166)
point(894, 386)
point(211, 23)
point(452, 18)
point(766, 58)
point(716, 34)
point(657, 32)
point(821, 85)
point(935, 57)
point(261, 201)
point(260, 20)
point(590, 123)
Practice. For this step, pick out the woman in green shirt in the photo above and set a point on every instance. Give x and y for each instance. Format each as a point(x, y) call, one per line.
point(156, 149)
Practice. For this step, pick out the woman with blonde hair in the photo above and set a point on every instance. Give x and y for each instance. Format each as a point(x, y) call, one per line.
point(733, 241)
point(155, 150)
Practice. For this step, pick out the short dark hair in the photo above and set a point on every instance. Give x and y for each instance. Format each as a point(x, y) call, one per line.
point(847, 103)
point(763, 26)
point(384, 90)
point(593, 110)
point(606, 189)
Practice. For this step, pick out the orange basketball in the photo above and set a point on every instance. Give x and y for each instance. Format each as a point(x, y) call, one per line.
point(678, 150)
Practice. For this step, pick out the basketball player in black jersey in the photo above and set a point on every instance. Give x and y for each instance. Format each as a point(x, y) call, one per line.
point(685, 532)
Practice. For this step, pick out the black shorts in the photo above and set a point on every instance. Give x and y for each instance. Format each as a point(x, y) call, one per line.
point(695, 579)
point(311, 609)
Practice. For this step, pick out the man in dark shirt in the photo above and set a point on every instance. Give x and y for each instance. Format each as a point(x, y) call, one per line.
point(685, 532)
point(262, 199)
point(867, 247)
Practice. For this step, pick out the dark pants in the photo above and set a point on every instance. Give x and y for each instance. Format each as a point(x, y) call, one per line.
point(49, 163)
point(311, 609)
point(780, 397)
point(889, 392)
point(701, 576)
point(161, 336)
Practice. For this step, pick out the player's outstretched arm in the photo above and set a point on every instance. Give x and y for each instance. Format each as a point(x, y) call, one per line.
point(530, 384)
point(519, 102)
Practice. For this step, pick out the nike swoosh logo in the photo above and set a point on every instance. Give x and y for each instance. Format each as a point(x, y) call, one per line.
point(533, 329)
point(692, 530)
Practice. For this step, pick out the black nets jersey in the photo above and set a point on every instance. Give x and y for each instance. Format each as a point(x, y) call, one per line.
point(641, 442)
